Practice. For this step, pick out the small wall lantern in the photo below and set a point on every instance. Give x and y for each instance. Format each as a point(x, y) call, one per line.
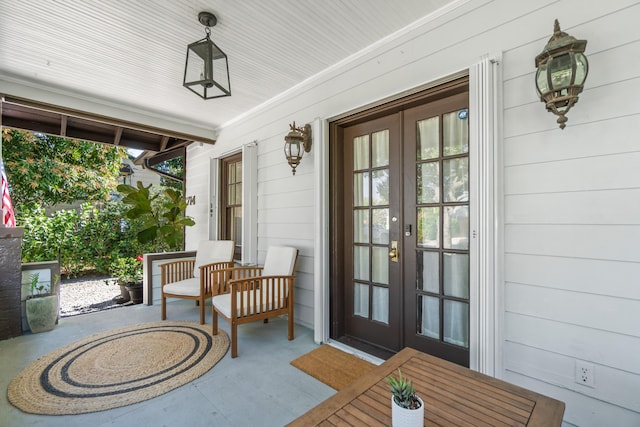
point(562, 70)
point(296, 143)
point(206, 72)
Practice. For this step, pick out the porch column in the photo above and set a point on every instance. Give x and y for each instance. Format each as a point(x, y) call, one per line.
point(10, 281)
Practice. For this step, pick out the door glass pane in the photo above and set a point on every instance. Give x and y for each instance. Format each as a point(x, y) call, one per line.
point(428, 271)
point(456, 323)
point(429, 227)
point(428, 185)
point(361, 300)
point(361, 189)
point(455, 134)
point(380, 304)
point(361, 226)
point(380, 187)
point(428, 141)
point(380, 148)
point(380, 226)
point(428, 316)
point(456, 275)
point(361, 152)
point(456, 227)
point(380, 265)
point(455, 177)
point(361, 263)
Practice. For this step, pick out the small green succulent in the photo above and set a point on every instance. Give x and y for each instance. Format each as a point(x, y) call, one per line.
point(403, 392)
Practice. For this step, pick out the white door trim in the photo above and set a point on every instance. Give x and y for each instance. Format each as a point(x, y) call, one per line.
point(485, 93)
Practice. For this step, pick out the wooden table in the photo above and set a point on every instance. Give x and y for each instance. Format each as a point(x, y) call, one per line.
point(453, 396)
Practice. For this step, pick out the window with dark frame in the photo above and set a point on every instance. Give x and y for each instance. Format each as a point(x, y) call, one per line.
point(231, 202)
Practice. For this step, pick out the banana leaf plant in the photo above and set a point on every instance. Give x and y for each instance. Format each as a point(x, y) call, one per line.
point(161, 214)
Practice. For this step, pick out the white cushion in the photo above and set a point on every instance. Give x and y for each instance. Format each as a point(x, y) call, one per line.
point(210, 251)
point(222, 303)
point(188, 287)
point(280, 261)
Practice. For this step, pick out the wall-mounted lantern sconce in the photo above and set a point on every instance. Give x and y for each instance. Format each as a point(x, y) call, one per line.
point(206, 72)
point(296, 143)
point(562, 70)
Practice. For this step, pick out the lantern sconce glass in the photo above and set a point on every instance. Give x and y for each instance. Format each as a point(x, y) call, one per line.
point(206, 71)
point(562, 69)
point(296, 143)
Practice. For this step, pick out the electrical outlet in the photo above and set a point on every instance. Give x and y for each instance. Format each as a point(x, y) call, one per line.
point(585, 373)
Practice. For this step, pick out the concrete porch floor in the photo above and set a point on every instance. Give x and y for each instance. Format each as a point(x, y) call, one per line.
point(258, 388)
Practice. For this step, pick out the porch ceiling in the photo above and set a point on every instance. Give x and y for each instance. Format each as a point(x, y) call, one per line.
point(130, 55)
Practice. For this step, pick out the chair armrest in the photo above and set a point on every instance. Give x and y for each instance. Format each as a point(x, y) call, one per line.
point(260, 294)
point(212, 276)
point(176, 270)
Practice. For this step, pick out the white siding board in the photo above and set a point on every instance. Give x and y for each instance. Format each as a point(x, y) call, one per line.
point(578, 308)
point(291, 215)
point(581, 410)
point(617, 243)
point(610, 278)
point(301, 231)
point(613, 350)
point(300, 198)
point(615, 171)
point(611, 384)
point(289, 183)
point(589, 140)
point(604, 207)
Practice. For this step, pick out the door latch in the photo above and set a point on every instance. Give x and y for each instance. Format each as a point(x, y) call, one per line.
point(393, 253)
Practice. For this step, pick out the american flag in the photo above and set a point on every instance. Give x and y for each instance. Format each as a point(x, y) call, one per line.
point(8, 218)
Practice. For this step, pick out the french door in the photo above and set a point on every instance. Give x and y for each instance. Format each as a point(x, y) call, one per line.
point(404, 229)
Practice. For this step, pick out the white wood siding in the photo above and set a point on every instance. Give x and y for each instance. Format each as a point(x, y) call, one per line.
point(571, 265)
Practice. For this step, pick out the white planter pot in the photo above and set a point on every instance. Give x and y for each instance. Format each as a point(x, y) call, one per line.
point(42, 313)
point(402, 417)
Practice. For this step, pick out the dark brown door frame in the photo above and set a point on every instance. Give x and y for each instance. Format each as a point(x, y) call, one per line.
point(336, 174)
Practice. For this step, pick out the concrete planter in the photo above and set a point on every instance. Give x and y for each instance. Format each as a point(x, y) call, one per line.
point(42, 313)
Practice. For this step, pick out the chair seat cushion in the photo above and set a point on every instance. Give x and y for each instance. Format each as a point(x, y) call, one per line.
point(188, 287)
point(222, 303)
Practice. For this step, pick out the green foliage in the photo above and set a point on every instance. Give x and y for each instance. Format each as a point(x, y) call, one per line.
point(37, 289)
point(127, 269)
point(403, 392)
point(89, 239)
point(46, 170)
point(160, 214)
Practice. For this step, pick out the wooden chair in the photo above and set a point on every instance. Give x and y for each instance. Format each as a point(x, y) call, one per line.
point(257, 293)
point(194, 278)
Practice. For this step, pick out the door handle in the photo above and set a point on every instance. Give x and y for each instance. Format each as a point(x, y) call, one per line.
point(393, 253)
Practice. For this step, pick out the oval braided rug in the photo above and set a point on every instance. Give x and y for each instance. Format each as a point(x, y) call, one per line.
point(117, 368)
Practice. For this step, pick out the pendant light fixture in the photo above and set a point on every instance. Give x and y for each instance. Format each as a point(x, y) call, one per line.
point(206, 72)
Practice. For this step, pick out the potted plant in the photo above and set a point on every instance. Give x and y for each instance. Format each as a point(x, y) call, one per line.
point(129, 276)
point(42, 304)
point(407, 409)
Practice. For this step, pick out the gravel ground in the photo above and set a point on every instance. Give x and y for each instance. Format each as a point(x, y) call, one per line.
point(87, 295)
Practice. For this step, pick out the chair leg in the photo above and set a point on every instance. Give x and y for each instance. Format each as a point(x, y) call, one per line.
point(214, 321)
point(163, 312)
point(266, 320)
point(234, 339)
point(290, 318)
point(201, 310)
